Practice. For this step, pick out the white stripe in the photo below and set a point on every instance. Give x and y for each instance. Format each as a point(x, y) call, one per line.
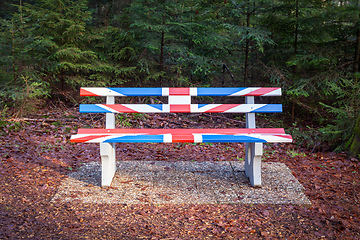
point(96, 140)
point(205, 108)
point(165, 91)
point(193, 91)
point(273, 139)
point(103, 91)
point(106, 108)
point(249, 135)
point(165, 108)
point(194, 108)
point(142, 108)
point(74, 137)
point(176, 100)
point(245, 91)
point(197, 138)
point(167, 138)
point(245, 108)
point(100, 140)
point(276, 92)
point(268, 137)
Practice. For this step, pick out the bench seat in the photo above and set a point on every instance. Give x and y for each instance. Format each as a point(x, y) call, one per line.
point(182, 135)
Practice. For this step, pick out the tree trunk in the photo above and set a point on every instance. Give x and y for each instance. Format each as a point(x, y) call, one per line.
point(162, 44)
point(162, 51)
point(247, 49)
point(296, 33)
point(357, 49)
point(353, 145)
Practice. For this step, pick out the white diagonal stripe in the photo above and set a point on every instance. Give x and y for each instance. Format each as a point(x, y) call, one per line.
point(273, 138)
point(276, 92)
point(142, 108)
point(106, 108)
point(103, 91)
point(245, 108)
point(244, 92)
point(205, 108)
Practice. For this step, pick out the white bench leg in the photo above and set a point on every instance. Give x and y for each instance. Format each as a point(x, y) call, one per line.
point(253, 153)
point(247, 159)
point(108, 163)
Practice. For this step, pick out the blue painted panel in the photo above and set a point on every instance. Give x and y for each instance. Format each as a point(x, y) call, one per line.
point(157, 106)
point(138, 138)
point(230, 138)
point(138, 91)
point(269, 108)
point(92, 108)
point(202, 105)
point(217, 91)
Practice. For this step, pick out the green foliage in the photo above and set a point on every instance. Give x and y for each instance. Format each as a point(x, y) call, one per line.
point(61, 26)
point(20, 82)
point(309, 48)
point(345, 110)
point(3, 114)
point(293, 154)
point(308, 137)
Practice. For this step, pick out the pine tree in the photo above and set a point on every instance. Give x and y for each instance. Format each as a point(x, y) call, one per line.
point(64, 35)
point(247, 37)
point(21, 84)
point(177, 42)
point(300, 57)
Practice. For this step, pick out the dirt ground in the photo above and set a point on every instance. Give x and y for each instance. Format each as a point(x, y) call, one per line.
point(36, 156)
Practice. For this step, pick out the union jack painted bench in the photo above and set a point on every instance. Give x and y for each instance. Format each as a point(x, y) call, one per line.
point(179, 101)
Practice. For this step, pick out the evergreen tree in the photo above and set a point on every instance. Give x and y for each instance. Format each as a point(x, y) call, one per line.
point(247, 37)
point(345, 91)
point(20, 81)
point(63, 33)
point(300, 58)
point(178, 42)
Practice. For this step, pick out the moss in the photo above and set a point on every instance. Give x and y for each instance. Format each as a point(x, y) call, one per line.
point(353, 145)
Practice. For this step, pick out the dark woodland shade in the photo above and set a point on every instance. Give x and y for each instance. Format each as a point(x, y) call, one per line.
point(309, 48)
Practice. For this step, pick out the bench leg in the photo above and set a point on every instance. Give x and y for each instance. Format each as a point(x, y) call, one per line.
point(108, 163)
point(253, 153)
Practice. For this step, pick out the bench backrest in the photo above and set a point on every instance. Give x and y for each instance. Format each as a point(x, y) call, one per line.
point(179, 101)
point(164, 91)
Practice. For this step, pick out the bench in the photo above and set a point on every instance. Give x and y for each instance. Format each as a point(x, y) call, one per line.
point(179, 101)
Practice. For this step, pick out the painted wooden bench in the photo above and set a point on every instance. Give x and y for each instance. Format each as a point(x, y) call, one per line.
point(179, 101)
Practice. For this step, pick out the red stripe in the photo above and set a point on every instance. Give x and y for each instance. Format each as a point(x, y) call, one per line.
point(284, 136)
point(84, 92)
point(182, 138)
point(88, 138)
point(180, 108)
point(120, 108)
point(261, 92)
point(179, 91)
point(222, 108)
point(184, 131)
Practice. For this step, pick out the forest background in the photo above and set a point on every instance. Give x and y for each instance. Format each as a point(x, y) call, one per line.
point(309, 48)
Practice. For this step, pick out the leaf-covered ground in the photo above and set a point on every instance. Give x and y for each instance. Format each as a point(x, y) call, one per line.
point(35, 156)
